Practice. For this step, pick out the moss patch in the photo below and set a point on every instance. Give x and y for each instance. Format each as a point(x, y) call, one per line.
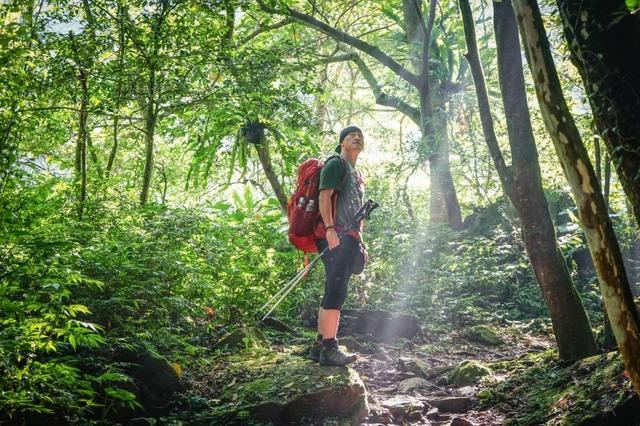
point(469, 372)
point(544, 390)
point(485, 335)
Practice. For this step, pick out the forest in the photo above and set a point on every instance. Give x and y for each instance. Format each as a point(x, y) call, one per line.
point(149, 150)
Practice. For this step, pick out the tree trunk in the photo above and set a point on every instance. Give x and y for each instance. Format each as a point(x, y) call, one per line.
point(604, 39)
point(577, 168)
point(444, 206)
point(81, 143)
point(94, 155)
point(116, 112)
point(149, 114)
point(267, 166)
point(608, 339)
point(607, 179)
point(571, 324)
point(597, 154)
point(522, 183)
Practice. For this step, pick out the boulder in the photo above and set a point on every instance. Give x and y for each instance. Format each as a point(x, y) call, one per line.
point(154, 381)
point(281, 388)
point(485, 335)
point(469, 372)
point(382, 325)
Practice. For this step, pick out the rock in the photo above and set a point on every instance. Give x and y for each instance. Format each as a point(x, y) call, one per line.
point(467, 391)
point(415, 366)
point(484, 394)
point(414, 416)
point(412, 383)
point(485, 335)
point(401, 405)
point(378, 414)
point(154, 382)
point(469, 372)
point(281, 388)
point(421, 368)
point(382, 325)
point(437, 371)
point(433, 413)
point(157, 375)
point(240, 338)
point(456, 404)
point(459, 421)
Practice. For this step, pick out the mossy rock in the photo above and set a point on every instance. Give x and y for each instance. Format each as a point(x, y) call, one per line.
point(283, 388)
point(469, 372)
point(154, 382)
point(241, 338)
point(485, 335)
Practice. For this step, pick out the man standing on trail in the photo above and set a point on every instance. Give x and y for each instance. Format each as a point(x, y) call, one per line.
point(341, 195)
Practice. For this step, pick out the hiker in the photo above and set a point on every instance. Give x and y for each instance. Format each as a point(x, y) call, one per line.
point(340, 198)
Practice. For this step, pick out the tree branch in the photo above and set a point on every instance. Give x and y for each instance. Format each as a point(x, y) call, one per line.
point(381, 98)
point(483, 99)
point(426, 29)
point(265, 29)
point(343, 37)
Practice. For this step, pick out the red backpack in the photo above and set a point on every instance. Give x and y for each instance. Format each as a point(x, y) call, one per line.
point(303, 210)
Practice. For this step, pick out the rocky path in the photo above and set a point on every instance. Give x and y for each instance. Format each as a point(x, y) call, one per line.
point(407, 382)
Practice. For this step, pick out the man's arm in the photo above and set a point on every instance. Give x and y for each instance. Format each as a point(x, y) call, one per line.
point(326, 212)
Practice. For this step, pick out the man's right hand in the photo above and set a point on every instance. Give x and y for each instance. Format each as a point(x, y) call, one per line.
point(332, 238)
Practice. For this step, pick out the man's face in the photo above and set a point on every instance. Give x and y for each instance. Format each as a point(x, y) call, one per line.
point(353, 142)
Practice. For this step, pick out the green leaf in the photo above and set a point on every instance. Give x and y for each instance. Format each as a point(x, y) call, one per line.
point(121, 394)
point(72, 341)
point(632, 4)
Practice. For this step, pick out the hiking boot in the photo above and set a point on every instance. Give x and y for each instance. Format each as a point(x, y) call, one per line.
point(314, 351)
point(332, 355)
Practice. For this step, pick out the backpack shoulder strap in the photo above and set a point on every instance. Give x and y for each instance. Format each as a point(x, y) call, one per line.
point(345, 167)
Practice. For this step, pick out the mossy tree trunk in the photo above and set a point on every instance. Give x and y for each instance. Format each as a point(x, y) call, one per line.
point(149, 113)
point(604, 40)
point(522, 183)
point(577, 168)
point(444, 207)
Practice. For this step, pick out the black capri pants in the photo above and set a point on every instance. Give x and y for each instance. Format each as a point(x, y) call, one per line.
point(337, 265)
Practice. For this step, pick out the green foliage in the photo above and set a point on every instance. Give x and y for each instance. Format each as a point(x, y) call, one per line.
point(217, 78)
point(632, 4)
point(125, 277)
point(542, 390)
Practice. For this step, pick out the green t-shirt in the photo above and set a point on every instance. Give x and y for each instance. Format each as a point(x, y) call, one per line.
point(351, 194)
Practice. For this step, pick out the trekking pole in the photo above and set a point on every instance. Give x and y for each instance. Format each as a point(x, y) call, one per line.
point(293, 281)
point(362, 213)
point(289, 286)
